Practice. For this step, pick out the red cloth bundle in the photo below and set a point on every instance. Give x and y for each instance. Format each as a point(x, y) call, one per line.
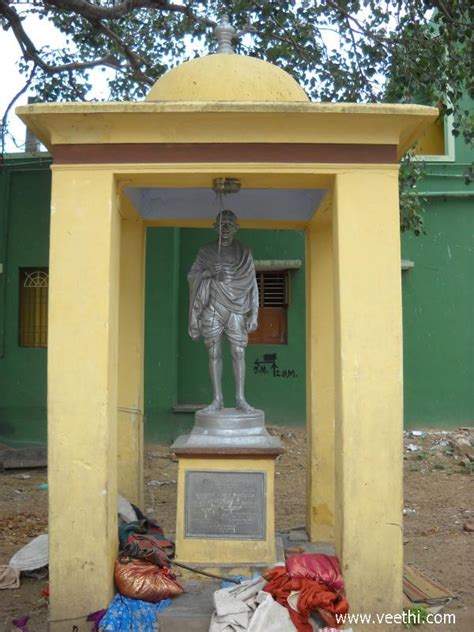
point(318, 567)
point(313, 596)
point(140, 579)
point(148, 547)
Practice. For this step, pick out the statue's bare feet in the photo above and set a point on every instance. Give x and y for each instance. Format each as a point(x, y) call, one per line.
point(243, 406)
point(216, 404)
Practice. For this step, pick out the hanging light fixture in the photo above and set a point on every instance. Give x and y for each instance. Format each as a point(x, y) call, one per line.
point(221, 187)
point(226, 185)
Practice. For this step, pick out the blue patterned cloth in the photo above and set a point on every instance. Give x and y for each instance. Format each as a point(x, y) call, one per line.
point(131, 615)
point(238, 578)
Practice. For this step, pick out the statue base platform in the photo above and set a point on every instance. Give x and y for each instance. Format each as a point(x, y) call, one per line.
point(226, 499)
point(228, 428)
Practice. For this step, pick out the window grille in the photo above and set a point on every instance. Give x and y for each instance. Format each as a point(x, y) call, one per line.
point(273, 291)
point(33, 326)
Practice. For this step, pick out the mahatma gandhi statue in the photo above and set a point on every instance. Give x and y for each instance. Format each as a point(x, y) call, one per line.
point(224, 300)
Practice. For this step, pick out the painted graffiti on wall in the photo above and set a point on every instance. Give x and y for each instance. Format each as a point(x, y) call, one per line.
point(268, 366)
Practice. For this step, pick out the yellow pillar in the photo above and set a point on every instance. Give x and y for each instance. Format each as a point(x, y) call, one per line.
point(131, 352)
point(82, 394)
point(368, 361)
point(320, 380)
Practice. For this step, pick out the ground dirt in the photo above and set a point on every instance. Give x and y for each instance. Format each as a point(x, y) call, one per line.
point(438, 510)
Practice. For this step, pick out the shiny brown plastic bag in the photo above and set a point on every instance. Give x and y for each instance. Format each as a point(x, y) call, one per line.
point(140, 579)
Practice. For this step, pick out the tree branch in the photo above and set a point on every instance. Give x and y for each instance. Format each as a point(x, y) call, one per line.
point(133, 59)
point(357, 58)
point(289, 39)
point(95, 14)
point(362, 30)
point(31, 53)
point(12, 103)
point(99, 12)
point(442, 9)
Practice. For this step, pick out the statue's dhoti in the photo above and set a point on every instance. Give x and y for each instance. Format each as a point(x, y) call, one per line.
point(217, 319)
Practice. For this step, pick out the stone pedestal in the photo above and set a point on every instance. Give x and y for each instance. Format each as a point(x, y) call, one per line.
point(228, 428)
point(226, 508)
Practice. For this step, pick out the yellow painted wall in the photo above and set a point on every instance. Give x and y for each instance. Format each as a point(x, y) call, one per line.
point(368, 355)
point(432, 142)
point(227, 122)
point(82, 394)
point(320, 379)
point(131, 358)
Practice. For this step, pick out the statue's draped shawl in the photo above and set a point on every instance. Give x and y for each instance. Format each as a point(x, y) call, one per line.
point(239, 294)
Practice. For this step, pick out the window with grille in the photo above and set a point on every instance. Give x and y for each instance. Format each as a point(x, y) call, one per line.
point(34, 284)
point(273, 291)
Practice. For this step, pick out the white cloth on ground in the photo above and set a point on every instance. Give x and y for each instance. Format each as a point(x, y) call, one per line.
point(32, 556)
point(246, 608)
point(9, 577)
point(270, 616)
point(234, 606)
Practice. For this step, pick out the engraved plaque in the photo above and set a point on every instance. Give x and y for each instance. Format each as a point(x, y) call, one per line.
point(226, 505)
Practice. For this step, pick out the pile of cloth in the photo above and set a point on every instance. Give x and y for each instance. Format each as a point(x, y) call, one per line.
point(142, 575)
point(248, 607)
point(305, 594)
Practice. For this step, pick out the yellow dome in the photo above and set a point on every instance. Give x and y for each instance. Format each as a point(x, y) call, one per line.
point(226, 77)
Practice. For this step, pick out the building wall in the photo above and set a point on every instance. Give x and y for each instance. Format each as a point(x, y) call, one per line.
point(161, 332)
point(24, 240)
point(438, 299)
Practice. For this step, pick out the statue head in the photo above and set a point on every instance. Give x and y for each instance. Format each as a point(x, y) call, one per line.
point(226, 225)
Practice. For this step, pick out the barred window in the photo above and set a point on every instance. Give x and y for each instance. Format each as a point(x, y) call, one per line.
point(273, 291)
point(33, 330)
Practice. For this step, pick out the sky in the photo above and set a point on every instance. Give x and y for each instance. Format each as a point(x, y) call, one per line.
point(42, 33)
point(11, 81)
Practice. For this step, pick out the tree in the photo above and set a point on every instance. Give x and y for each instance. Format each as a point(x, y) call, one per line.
point(338, 50)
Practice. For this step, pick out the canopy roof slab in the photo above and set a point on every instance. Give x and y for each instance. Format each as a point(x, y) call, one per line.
point(303, 132)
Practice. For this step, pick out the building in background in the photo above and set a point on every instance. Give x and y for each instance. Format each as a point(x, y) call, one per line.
point(438, 290)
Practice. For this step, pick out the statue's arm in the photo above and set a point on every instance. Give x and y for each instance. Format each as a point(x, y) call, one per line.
point(198, 294)
point(196, 308)
point(252, 322)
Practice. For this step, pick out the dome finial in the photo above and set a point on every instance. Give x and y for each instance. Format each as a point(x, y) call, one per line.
point(224, 33)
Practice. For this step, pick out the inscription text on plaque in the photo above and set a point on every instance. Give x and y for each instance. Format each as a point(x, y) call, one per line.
point(225, 505)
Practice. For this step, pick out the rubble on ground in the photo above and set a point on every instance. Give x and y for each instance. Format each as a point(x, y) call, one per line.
point(440, 449)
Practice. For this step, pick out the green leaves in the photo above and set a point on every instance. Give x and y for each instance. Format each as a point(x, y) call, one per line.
point(411, 202)
point(339, 50)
